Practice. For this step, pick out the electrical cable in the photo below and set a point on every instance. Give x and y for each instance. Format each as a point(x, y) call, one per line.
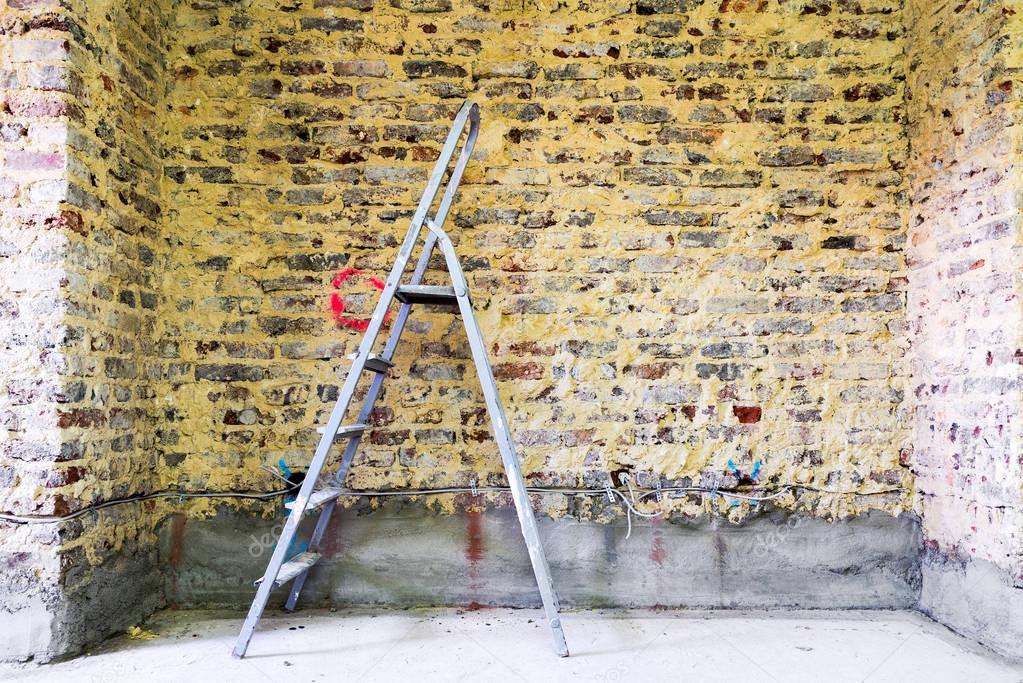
point(630, 505)
point(275, 473)
point(45, 519)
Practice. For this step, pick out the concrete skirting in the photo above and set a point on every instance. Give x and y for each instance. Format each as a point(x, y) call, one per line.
point(90, 604)
point(106, 600)
point(404, 555)
point(26, 628)
point(976, 599)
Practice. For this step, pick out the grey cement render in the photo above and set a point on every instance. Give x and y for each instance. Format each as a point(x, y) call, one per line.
point(26, 624)
point(404, 555)
point(90, 605)
point(977, 600)
point(107, 600)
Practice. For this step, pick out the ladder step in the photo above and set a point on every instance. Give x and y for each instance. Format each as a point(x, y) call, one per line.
point(375, 363)
point(427, 294)
point(346, 431)
point(317, 499)
point(293, 567)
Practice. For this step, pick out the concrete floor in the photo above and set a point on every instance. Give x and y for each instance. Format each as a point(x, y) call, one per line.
point(512, 645)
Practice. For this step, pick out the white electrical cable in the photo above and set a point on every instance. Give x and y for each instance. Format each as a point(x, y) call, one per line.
point(759, 499)
point(630, 507)
point(275, 473)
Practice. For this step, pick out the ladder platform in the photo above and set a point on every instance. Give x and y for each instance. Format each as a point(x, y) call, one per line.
point(293, 567)
point(427, 294)
point(346, 430)
point(317, 499)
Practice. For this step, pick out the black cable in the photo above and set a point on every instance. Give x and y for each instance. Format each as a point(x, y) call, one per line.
point(742, 495)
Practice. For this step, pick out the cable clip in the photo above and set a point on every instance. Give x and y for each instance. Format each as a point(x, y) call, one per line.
point(473, 488)
point(715, 483)
point(660, 493)
point(609, 492)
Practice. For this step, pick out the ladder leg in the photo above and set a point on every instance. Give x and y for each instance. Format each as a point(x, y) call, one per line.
point(468, 115)
point(389, 348)
point(504, 442)
point(322, 450)
point(314, 546)
point(364, 415)
point(267, 585)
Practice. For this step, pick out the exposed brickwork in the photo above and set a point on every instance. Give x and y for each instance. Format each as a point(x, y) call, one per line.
point(684, 229)
point(80, 190)
point(32, 248)
point(113, 264)
point(113, 273)
point(964, 299)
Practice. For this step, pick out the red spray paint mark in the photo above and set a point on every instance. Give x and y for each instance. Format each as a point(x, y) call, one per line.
point(176, 555)
point(657, 551)
point(332, 542)
point(474, 552)
point(337, 302)
point(177, 549)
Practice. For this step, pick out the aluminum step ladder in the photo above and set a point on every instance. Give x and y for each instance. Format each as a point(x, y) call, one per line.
point(312, 495)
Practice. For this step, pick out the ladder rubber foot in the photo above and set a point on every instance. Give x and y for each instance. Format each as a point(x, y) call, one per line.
point(293, 567)
point(427, 294)
point(316, 500)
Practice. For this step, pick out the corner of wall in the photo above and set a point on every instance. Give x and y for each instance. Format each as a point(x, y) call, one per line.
point(81, 83)
point(964, 107)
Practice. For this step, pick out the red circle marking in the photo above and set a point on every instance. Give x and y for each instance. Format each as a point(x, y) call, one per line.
point(337, 302)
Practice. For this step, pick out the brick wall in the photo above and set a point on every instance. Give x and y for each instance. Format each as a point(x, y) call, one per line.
point(113, 412)
point(80, 193)
point(684, 229)
point(32, 248)
point(113, 260)
point(964, 299)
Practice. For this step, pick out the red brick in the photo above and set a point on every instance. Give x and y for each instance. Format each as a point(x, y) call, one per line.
point(747, 414)
point(506, 371)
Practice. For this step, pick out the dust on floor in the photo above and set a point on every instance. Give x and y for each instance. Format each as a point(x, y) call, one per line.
point(512, 645)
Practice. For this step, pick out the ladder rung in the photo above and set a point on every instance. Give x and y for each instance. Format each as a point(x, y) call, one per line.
point(427, 294)
point(293, 567)
point(375, 363)
point(317, 499)
point(346, 431)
